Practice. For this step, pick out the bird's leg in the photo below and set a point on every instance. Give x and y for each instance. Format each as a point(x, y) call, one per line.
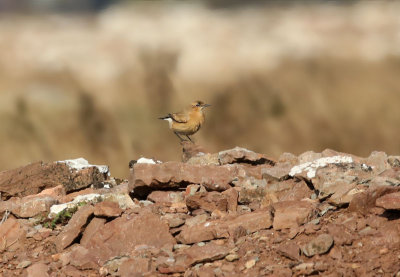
point(189, 138)
point(181, 139)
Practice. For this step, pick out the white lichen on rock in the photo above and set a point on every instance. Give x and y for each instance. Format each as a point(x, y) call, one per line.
point(88, 198)
point(81, 163)
point(143, 160)
point(311, 167)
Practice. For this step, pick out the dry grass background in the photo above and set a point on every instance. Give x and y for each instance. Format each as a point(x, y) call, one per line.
point(286, 78)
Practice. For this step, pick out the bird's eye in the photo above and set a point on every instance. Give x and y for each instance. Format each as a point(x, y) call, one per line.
point(198, 104)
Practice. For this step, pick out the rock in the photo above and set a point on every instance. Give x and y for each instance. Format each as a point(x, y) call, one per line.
point(204, 159)
point(134, 267)
point(38, 270)
point(174, 220)
point(364, 201)
point(124, 201)
point(250, 263)
point(290, 250)
point(29, 206)
point(208, 201)
point(121, 235)
point(223, 228)
point(207, 253)
point(12, 235)
point(191, 150)
point(340, 234)
point(319, 245)
point(309, 168)
point(232, 198)
point(291, 214)
point(56, 192)
point(145, 178)
point(378, 161)
point(165, 197)
point(74, 227)
point(34, 178)
point(390, 201)
point(24, 264)
point(196, 220)
point(93, 227)
point(232, 257)
point(242, 155)
point(107, 209)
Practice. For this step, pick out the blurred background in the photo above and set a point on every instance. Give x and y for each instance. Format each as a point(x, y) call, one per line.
point(89, 78)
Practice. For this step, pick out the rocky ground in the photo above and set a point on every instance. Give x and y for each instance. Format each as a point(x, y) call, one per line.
point(232, 213)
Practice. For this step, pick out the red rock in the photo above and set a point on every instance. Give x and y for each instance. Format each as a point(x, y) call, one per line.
point(319, 245)
point(38, 270)
point(74, 227)
point(242, 155)
point(29, 206)
point(290, 250)
point(191, 150)
point(82, 258)
point(34, 178)
point(56, 192)
point(107, 209)
point(363, 202)
point(165, 197)
point(291, 214)
point(225, 227)
point(93, 227)
point(390, 201)
point(207, 253)
point(70, 196)
point(232, 196)
point(208, 201)
point(121, 235)
point(174, 220)
point(12, 235)
point(134, 267)
point(145, 178)
point(341, 235)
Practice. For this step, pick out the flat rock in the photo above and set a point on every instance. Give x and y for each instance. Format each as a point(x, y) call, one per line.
point(291, 214)
point(207, 253)
point(165, 197)
point(223, 228)
point(34, 178)
point(208, 201)
point(120, 237)
point(134, 267)
point(290, 250)
point(29, 206)
point(92, 228)
point(390, 201)
point(38, 270)
point(74, 227)
point(319, 245)
point(242, 155)
point(107, 209)
point(145, 178)
point(12, 235)
point(204, 159)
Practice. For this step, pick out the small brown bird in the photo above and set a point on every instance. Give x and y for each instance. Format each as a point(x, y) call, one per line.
point(188, 121)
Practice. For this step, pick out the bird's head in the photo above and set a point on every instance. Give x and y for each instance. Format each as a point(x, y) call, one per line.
point(199, 105)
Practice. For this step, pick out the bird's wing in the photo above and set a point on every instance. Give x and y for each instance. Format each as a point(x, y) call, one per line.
point(179, 117)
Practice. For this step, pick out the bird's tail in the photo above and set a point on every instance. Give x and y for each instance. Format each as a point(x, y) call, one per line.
point(165, 117)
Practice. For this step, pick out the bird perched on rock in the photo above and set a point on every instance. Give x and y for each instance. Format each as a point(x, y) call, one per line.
point(187, 122)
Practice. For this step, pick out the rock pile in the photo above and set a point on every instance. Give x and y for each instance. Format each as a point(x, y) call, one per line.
point(232, 213)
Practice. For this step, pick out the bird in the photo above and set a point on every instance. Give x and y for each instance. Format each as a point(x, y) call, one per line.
point(187, 122)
